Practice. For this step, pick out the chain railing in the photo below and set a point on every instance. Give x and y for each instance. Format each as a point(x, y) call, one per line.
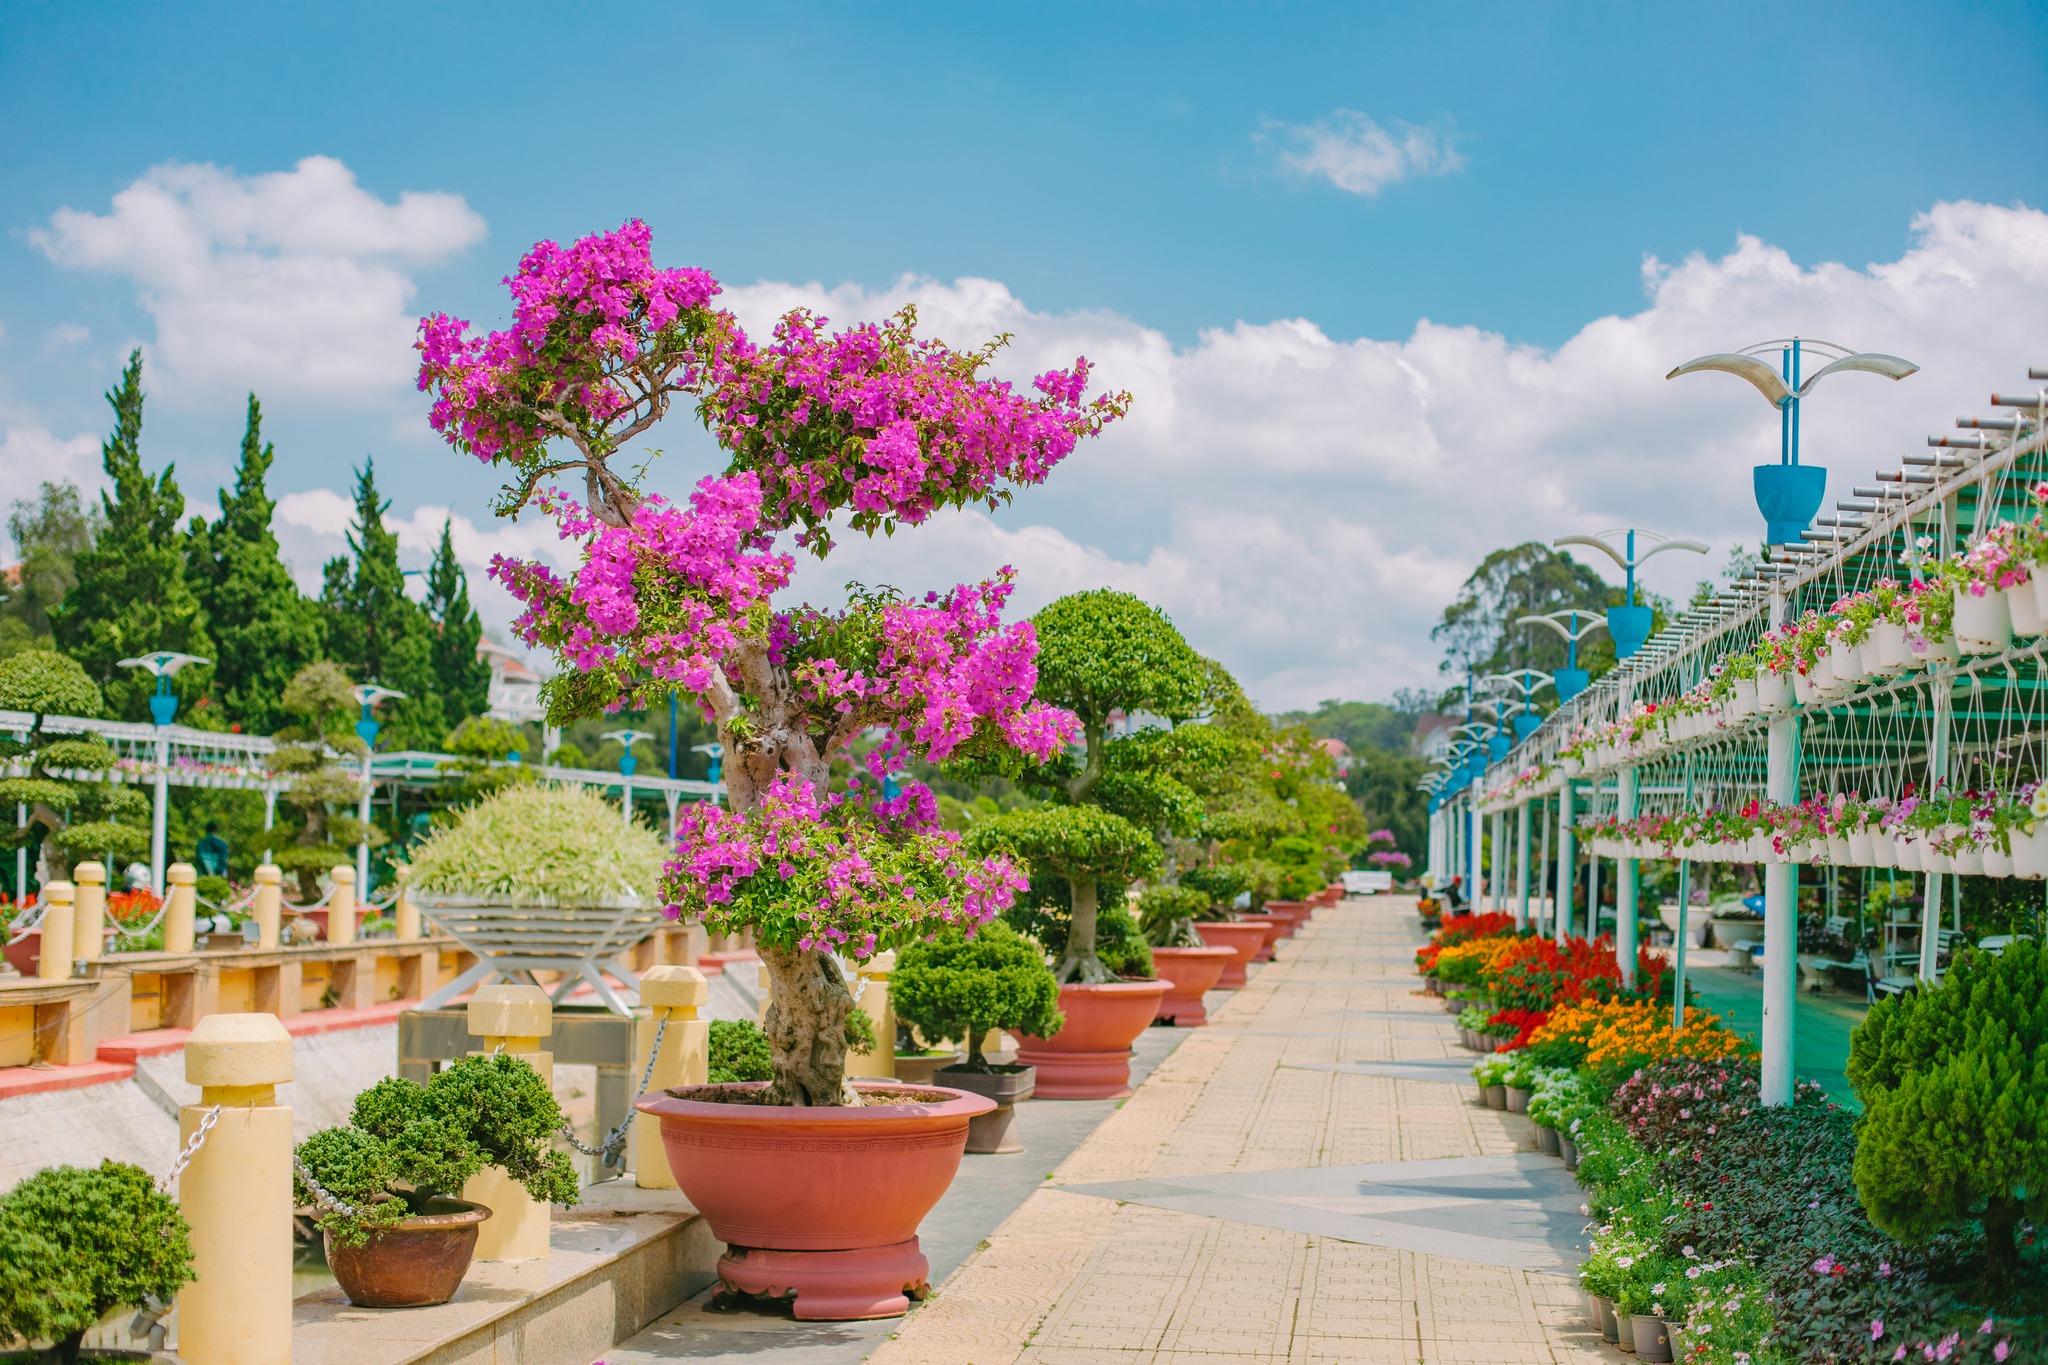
point(323, 1198)
point(612, 1150)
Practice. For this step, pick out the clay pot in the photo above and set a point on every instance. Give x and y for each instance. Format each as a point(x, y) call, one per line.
point(917, 1068)
point(1496, 1096)
point(1008, 1086)
point(1329, 895)
point(1189, 973)
point(1293, 915)
point(417, 1264)
point(820, 1204)
point(1603, 1315)
point(24, 955)
point(1273, 925)
point(1652, 1338)
point(1517, 1099)
point(1243, 940)
point(1090, 1057)
point(1546, 1141)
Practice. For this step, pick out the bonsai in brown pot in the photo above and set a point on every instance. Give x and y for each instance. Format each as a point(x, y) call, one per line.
point(396, 1237)
point(962, 986)
point(1193, 967)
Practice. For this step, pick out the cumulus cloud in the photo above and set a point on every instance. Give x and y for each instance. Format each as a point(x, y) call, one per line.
point(1318, 499)
point(291, 282)
point(33, 455)
point(1358, 155)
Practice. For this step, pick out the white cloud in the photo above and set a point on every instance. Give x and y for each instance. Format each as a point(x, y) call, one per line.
point(1319, 500)
point(1357, 154)
point(63, 335)
point(291, 282)
point(32, 455)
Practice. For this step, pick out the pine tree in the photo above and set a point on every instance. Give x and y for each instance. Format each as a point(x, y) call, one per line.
point(464, 678)
point(264, 630)
point(377, 633)
point(132, 597)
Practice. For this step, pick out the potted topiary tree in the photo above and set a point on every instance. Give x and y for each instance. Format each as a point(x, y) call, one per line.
point(384, 1185)
point(964, 986)
point(78, 1243)
point(1190, 966)
point(1082, 847)
point(1955, 1124)
point(322, 757)
point(817, 1184)
point(70, 804)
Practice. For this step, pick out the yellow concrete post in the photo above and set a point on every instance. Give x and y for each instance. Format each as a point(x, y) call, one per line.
point(767, 985)
point(872, 980)
point(514, 1019)
point(55, 963)
point(268, 907)
point(404, 912)
point(236, 1192)
point(341, 907)
point(178, 912)
point(89, 911)
point(674, 994)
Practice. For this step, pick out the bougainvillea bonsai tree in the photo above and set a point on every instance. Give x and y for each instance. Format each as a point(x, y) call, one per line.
point(1083, 847)
point(870, 429)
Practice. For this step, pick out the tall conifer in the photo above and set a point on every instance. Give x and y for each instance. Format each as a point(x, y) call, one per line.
point(264, 631)
point(464, 678)
point(376, 632)
point(132, 597)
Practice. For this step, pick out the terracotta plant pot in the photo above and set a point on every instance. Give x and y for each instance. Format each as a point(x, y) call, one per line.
point(1009, 1086)
point(1293, 914)
point(818, 1204)
point(1273, 926)
point(1090, 1057)
point(1243, 940)
point(1189, 973)
point(417, 1264)
point(917, 1068)
point(25, 955)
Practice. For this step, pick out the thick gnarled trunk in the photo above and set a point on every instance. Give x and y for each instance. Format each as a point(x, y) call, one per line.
point(806, 1027)
point(1079, 964)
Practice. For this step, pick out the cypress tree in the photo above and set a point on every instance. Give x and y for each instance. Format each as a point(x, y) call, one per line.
point(264, 631)
point(132, 596)
point(464, 678)
point(377, 633)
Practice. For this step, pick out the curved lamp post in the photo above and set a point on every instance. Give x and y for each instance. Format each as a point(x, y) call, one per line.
point(1629, 625)
point(163, 708)
point(628, 764)
point(367, 696)
point(1571, 679)
point(1789, 493)
point(1528, 682)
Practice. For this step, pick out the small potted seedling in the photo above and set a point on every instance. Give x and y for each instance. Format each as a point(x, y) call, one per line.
point(956, 986)
point(396, 1237)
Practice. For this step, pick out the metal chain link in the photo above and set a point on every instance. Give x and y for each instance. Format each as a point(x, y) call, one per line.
point(322, 1196)
point(191, 1149)
point(612, 1148)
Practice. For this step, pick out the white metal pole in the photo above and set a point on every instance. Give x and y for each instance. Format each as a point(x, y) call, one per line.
point(1625, 885)
point(1781, 919)
point(159, 815)
point(1930, 900)
point(363, 848)
point(21, 854)
point(1567, 855)
point(1522, 866)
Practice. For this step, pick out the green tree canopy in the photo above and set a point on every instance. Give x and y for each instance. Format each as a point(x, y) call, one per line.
point(953, 986)
point(464, 679)
point(376, 632)
point(1529, 579)
point(75, 818)
point(50, 533)
point(264, 630)
point(132, 597)
point(1103, 653)
point(1081, 845)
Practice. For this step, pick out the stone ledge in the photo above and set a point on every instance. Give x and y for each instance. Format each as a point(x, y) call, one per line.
point(156, 1042)
point(31, 1080)
point(622, 1258)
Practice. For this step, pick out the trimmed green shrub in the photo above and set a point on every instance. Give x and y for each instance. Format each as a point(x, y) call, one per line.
point(739, 1052)
point(76, 1243)
point(959, 987)
point(541, 843)
point(1167, 914)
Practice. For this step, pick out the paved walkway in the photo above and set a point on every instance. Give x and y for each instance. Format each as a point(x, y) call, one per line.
point(1309, 1179)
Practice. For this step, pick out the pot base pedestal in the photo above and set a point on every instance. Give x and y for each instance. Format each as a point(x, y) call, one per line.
point(1079, 1075)
point(830, 1286)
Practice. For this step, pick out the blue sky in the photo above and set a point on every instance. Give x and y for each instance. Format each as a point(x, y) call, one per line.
point(1146, 177)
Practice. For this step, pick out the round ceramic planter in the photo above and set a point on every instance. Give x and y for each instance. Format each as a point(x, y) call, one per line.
point(1090, 1057)
point(1243, 940)
point(25, 954)
point(1546, 1141)
point(1602, 1309)
point(1273, 926)
point(1652, 1338)
point(1517, 1099)
point(1496, 1096)
point(1009, 1086)
point(1189, 973)
point(1569, 1150)
point(818, 1204)
point(1624, 1330)
point(1293, 915)
point(416, 1264)
point(918, 1068)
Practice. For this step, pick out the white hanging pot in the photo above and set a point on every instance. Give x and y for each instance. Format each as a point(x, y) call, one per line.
point(1969, 862)
point(1983, 624)
point(1889, 641)
point(1908, 853)
point(1883, 851)
point(1839, 852)
point(1773, 692)
point(1805, 688)
point(1761, 850)
point(2030, 852)
point(1996, 864)
point(1847, 661)
point(1860, 854)
point(2025, 611)
point(1940, 652)
point(2039, 583)
point(1934, 861)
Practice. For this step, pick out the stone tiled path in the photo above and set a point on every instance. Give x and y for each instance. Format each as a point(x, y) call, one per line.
point(1162, 1263)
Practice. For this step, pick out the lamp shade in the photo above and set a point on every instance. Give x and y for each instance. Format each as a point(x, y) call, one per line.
point(1628, 627)
point(1788, 495)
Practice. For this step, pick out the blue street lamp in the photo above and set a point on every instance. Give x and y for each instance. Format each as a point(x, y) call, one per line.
point(367, 696)
point(716, 753)
point(163, 707)
point(1571, 679)
point(628, 765)
point(1629, 625)
point(1789, 493)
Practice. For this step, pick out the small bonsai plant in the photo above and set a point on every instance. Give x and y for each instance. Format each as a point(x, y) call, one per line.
point(956, 986)
point(1083, 847)
point(322, 756)
point(77, 1243)
point(64, 791)
point(1168, 914)
point(407, 1144)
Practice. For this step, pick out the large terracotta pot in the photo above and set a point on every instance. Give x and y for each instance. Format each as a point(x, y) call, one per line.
point(1329, 895)
point(1243, 940)
point(1273, 925)
point(819, 1204)
point(1090, 1057)
point(417, 1264)
point(1189, 973)
point(25, 955)
point(1293, 913)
